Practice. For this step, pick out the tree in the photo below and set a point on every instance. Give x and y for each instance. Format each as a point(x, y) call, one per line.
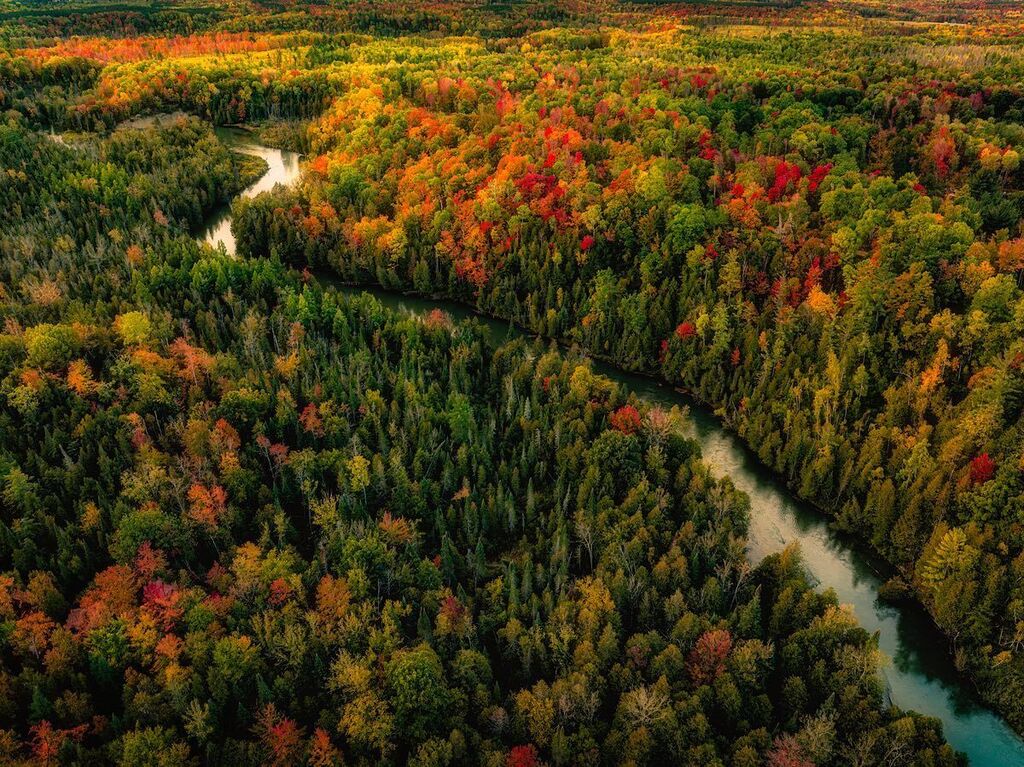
point(707, 660)
point(626, 419)
point(153, 747)
point(983, 468)
point(522, 756)
point(133, 327)
point(417, 689)
point(281, 737)
point(358, 473)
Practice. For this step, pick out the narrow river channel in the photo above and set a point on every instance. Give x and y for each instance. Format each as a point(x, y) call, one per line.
point(920, 674)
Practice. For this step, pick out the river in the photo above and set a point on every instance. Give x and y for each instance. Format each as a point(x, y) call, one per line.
point(920, 674)
point(282, 168)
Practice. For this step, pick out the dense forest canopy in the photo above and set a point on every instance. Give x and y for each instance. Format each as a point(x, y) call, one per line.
point(247, 520)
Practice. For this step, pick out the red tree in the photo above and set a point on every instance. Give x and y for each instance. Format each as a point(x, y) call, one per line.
point(522, 756)
point(685, 330)
point(787, 752)
point(707, 660)
point(281, 737)
point(626, 419)
point(982, 469)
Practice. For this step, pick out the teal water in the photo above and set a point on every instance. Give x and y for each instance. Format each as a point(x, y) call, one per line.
point(920, 673)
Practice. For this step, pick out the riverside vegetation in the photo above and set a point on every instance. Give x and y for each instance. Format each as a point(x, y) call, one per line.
point(247, 520)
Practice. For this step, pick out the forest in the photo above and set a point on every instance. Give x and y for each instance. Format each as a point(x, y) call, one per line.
point(247, 519)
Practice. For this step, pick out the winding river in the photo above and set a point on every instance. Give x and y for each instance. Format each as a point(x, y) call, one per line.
point(282, 168)
point(920, 674)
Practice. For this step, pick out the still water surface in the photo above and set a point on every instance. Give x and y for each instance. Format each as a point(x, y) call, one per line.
point(920, 674)
point(283, 168)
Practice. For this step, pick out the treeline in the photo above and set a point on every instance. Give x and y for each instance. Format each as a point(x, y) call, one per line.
point(247, 521)
point(27, 22)
point(67, 92)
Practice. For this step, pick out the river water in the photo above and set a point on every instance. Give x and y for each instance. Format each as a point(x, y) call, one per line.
point(282, 168)
point(919, 674)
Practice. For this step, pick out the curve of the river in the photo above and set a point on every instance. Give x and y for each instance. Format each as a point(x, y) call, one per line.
point(920, 675)
point(282, 168)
